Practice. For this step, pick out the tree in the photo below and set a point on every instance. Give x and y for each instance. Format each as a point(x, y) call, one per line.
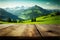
point(9, 19)
point(33, 17)
point(33, 20)
point(57, 13)
point(0, 19)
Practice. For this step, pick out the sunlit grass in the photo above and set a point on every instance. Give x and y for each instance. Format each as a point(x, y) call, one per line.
point(40, 20)
point(45, 20)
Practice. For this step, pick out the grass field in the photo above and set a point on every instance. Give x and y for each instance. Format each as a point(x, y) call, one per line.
point(45, 20)
point(41, 20)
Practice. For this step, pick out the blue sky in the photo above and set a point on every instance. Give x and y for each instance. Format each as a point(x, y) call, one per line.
point(47, 4)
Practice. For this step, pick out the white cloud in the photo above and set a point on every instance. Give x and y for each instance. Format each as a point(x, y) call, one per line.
point(11, 5)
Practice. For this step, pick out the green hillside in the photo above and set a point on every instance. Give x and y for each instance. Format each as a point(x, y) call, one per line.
point(52, 18)
point(33, 15)
point(33, 12)
point(42, 20)
point(45, 20)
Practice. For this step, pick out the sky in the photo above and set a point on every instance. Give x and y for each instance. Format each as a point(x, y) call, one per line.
point(47, 4)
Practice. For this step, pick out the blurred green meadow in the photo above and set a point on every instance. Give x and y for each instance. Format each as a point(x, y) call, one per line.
point(39, 20)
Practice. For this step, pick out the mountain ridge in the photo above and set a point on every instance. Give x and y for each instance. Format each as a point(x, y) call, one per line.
point(26, 14)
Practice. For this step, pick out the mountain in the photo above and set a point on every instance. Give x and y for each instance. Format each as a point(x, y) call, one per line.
point(29, 13)
point(16, 10)
point(34, 12)
point(5, 15)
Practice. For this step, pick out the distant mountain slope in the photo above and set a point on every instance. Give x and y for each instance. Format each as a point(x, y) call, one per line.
point(16, 10)
point(4, 15)
point(33, 12)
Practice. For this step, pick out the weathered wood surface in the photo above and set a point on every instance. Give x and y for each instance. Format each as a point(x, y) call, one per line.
point(29, 30)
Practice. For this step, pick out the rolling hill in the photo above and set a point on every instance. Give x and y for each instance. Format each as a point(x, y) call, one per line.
point(34, 12)
point(28, 14)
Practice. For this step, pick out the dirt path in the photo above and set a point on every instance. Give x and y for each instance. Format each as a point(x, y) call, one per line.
point(29, 30)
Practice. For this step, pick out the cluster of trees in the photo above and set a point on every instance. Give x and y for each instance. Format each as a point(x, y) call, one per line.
point(11, 20)
point(54, 13)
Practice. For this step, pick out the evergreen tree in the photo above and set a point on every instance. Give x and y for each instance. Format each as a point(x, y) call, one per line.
point(33, 16)
point(9, 19)
point(0, 19)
